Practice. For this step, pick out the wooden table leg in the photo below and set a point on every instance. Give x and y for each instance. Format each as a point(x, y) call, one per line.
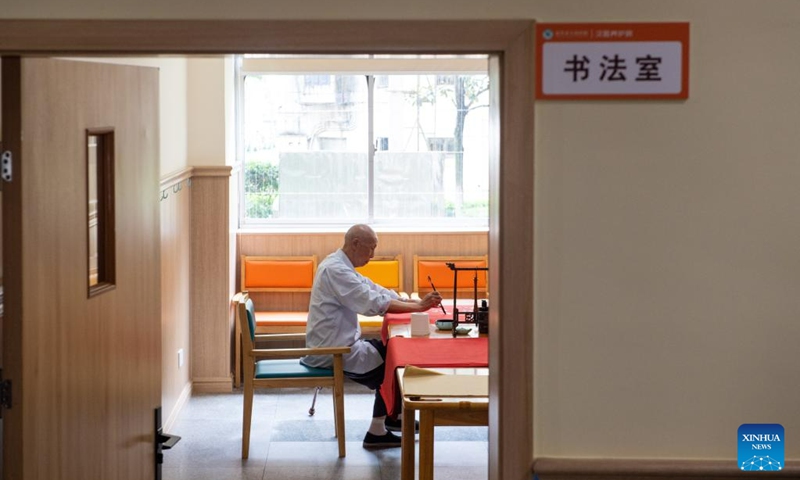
point(407, 445)
point(426, 444)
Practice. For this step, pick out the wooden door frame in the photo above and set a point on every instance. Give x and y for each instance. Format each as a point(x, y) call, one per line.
point(511, 46)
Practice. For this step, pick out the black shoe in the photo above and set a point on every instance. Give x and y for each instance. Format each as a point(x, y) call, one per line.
point(396, 425)
point(389, 440)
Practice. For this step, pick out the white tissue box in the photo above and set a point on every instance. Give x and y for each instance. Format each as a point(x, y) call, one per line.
point(420, 325)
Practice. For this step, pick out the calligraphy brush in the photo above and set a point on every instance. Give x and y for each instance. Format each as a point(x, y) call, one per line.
point(434, 289)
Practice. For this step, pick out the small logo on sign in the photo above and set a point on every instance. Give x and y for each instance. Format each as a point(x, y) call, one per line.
point(547, 34)
point(761, 447)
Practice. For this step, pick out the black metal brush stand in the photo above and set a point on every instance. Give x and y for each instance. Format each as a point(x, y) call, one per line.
point(478, 316)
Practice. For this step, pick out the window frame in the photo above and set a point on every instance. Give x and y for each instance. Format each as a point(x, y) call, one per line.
point(371, 66)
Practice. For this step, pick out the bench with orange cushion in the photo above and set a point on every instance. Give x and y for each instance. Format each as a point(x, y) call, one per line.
point(443, 278)
point(278, 274)
point(287, 274)
point(295, 274)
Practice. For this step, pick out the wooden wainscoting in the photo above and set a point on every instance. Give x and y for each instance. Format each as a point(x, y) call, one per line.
point(195, 284)
point(176, 257)
point(211, 344)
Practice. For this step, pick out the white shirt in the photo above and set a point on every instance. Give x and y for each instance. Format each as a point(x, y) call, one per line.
point(338, 295)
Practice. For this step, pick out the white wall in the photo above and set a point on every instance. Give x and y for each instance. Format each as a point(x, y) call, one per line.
point(206, 110)
point(666, 258)
point(667, 267)
point(173, 116)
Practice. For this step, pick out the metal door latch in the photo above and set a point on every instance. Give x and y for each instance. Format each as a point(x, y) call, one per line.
point(163, 441)
point(5, 165)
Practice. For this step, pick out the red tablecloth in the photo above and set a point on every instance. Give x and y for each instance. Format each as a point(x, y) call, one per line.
point(433, 314)
point(429, 352)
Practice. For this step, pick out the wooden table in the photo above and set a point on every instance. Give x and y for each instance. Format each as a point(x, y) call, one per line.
point(439, 350)
point(404, 330)
point(436, 313)
point(436, 411)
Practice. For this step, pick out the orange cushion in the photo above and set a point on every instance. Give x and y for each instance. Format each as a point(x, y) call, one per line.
point(278, 273)
point(385, 273)
point(281, 319)
point(442, 276)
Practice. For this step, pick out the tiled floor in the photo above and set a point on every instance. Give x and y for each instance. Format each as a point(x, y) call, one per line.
point(286, 443)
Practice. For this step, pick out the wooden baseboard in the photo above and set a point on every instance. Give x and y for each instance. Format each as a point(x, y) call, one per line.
point(212, 385)
point(629, 469)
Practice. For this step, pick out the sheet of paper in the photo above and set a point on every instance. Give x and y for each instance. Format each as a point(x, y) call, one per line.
point(433, 385)
point(411, 371)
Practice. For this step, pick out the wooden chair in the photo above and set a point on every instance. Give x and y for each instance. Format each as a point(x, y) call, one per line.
point(274, 275)
point(282, 368)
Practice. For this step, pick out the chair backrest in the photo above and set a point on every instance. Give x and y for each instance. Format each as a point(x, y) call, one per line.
point(246, 319)
point(443, 278)
point(278, 274)
point(386, 271)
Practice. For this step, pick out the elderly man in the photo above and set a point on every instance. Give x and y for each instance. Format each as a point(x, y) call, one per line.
point(338, 295)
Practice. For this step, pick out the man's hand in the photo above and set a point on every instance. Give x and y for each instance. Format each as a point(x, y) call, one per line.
point(431, 300)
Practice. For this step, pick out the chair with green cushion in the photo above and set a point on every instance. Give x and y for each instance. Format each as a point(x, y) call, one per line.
point(281, 368)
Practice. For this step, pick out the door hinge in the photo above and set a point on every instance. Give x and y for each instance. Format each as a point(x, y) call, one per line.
point(5, 391)
point(5, 165)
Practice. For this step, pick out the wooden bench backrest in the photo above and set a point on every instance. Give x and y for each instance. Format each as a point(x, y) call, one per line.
point(385, 271)
point(278, 274)
point(443, 277)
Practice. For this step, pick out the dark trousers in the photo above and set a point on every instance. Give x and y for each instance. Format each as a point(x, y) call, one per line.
point(373, 379)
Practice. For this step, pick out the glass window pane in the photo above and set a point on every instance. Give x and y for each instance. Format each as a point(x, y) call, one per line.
point(432, 139)
point(93, 202)
point(100, 209)
point(306, 147)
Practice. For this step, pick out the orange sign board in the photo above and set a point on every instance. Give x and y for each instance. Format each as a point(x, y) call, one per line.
point(578, 61)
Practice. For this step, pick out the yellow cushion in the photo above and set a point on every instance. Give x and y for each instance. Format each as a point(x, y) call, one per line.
point(385, 273)
point(278, 273)
point(375, 321)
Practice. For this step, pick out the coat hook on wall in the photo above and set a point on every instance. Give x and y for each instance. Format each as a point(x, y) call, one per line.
point(175, 189)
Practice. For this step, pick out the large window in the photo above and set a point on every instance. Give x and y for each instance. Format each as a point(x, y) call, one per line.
point(392, 141)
